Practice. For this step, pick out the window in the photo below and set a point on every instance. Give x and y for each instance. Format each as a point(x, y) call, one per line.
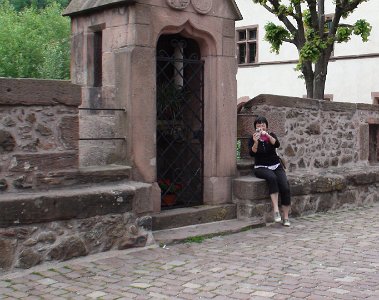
point(247, 45)
point(373, 143)
point(328, 22)
point(375, 98)
point(97, 58)
point(328, 25)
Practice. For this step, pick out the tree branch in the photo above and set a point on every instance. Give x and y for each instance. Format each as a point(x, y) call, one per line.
point(321, 17)
point(313, 11)
point(349, 6)
point(291, 41)
point(275, 9)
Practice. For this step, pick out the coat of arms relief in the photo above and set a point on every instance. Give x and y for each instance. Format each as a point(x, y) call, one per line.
point(201, 6)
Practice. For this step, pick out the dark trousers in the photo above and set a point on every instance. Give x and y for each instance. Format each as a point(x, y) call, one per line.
point(277, 183)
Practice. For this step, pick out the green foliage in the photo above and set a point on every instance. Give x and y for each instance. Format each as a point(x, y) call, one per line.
point(34, 43)
point(195, 239)
point(312, 49)
point(40, 4)
point(343, 34)
point(238, 149)
point(362, 28)
point(275, 35)
point(262, 2)
point(307, 18)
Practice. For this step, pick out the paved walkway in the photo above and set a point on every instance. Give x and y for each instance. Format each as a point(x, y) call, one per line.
point(324, 256)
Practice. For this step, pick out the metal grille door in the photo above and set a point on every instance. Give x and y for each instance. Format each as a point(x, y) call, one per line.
point(180, 123)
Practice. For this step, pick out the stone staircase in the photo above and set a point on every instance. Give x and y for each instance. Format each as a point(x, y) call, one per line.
point(178, 225)
point(70, 194)
point(93, 210)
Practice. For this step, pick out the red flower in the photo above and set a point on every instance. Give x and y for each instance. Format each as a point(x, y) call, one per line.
point(168, 187)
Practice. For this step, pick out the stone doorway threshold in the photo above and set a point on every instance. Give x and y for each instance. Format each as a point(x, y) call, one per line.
point(208, 230)
point(179, 225)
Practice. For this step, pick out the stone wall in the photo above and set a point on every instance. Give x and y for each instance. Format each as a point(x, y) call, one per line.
point(314, 134)
point(50, 209)
point(29, 245)
point(38, 131)
point(311, 192)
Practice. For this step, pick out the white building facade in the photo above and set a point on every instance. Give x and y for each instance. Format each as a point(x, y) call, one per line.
point(352, 71)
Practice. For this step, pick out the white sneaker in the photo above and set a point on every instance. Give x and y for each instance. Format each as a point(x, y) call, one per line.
point(277, 217)
point(287, 223)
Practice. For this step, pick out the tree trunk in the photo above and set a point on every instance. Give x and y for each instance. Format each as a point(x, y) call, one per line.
point(309, 87)
point(321, 69)
point(319, 87)
point(309, 78)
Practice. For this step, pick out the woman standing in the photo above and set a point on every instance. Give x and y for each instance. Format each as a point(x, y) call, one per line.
point(262, 146)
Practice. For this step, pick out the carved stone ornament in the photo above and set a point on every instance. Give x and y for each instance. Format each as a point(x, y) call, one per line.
point(202, 6)
point(178, 4)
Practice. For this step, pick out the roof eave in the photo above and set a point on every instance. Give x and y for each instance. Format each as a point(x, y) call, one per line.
point(71, 10)
point(239, 15)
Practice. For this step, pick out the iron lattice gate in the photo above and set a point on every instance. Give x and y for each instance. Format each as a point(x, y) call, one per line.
point(180, 126)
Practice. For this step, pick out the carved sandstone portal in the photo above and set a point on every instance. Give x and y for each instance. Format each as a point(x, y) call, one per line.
point(121, 116)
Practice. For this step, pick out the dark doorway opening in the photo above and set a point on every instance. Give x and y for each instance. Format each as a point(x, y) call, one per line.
point(180, 121)
point(373, 143)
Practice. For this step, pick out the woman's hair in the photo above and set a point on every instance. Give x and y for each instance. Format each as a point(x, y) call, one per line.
point(260, 120)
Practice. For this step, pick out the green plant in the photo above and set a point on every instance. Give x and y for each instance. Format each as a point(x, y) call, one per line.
point(168, 187)
point(238, 148)
point(195, 239)
point(170, 99)
point(35, 43)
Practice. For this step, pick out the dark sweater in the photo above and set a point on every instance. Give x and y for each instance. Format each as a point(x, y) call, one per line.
point(266, 152)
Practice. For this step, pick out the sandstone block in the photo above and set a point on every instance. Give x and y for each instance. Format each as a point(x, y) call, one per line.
point(7, 250)
point(69, 132)
point(250, 188)
point(7, 142)
point(38, 92)
point(44, 161)
point(29, 258)
point(68, 248)
point(63, 205)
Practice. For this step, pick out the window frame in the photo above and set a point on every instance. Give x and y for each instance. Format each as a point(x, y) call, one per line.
point(328, 97)
point(328, 19)
point(247, 42)
point(375, 98)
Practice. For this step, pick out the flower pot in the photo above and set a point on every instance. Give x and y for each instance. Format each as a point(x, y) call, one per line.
point(169, 199)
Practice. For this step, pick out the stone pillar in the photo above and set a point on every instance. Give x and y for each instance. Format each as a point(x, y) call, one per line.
point(220, 129)
point(136, 92)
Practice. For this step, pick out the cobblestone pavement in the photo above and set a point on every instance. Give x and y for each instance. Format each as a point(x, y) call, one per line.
point(324, 256)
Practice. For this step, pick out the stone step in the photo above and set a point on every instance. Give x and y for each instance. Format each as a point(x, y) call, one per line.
point(78, 202)
point(108, 173)
point(84, 175)
point(244, 167)
point(251, 196)
point(180, 217)
point(188, 233)
point(250, 187)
